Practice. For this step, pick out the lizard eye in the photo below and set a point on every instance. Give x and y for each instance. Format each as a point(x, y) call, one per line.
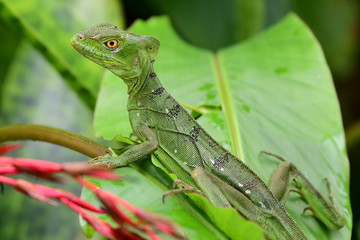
point(111, 43)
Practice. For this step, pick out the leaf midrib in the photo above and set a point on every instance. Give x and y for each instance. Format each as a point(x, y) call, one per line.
point(227, 106)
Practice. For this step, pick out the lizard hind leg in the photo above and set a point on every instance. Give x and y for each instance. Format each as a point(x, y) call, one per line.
point(327, 212)
point(208, 185)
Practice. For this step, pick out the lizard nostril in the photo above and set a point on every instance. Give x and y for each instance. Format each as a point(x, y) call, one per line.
point(80, 36)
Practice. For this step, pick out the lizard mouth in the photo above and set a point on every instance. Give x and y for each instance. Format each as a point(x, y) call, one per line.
point(91, 53)
point(72, 42)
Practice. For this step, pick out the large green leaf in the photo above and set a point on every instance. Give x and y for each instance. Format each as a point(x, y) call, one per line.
point(226, 22)
point(139, 191)
point(280, 98)
point(276, 94)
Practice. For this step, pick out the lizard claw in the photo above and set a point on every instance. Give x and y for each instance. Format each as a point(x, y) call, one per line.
point(101, 161)
point(186, 189)
point(179, 182)
point(106, 160)
point(308, 208)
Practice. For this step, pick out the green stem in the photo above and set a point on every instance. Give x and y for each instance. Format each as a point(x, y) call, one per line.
point(53, 135)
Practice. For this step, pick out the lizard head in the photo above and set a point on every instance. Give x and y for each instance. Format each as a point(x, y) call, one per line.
point(126, 54)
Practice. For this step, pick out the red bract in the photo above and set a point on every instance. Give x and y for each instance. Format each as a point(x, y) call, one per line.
point(78, 169)
point(9, 148)
point(61, 195)
point(32, 191)
point(8, 170)
point(43, 193)
point(46, 169)
point(145, 218)
point(124, 234)
point(98, 224)
point(103, 227)
point(109, 201)
point(158, 222)
point(150, 232)
point(34, 165)
point(6, 160)
point(145, 222)
point(6, 180)
point(38, 168)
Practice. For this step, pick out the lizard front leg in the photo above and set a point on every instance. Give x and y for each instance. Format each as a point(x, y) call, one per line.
point(150, 143)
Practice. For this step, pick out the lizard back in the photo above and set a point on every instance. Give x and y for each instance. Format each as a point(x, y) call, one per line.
point(183, 141)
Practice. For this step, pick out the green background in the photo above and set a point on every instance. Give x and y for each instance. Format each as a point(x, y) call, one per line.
point(33, 91)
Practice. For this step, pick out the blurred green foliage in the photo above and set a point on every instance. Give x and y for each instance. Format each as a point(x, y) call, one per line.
point(214, 24)
point(33, 91)
point(26, 78)
point(301, 122)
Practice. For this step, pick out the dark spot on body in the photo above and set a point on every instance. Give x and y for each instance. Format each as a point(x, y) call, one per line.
point(194, 133)
point(153, 75)
point(174, 111)
point(159, 91)
point(251, 184)
point(220, 161)
point(212, 144)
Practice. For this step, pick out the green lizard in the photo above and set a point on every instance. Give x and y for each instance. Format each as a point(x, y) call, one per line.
point(184, 148)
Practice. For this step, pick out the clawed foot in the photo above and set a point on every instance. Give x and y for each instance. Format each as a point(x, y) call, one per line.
point(186, 189)
point(308, 208)
point(272, 155)
point(105, 161)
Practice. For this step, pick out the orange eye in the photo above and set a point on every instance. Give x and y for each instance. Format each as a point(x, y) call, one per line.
point(112, 43)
